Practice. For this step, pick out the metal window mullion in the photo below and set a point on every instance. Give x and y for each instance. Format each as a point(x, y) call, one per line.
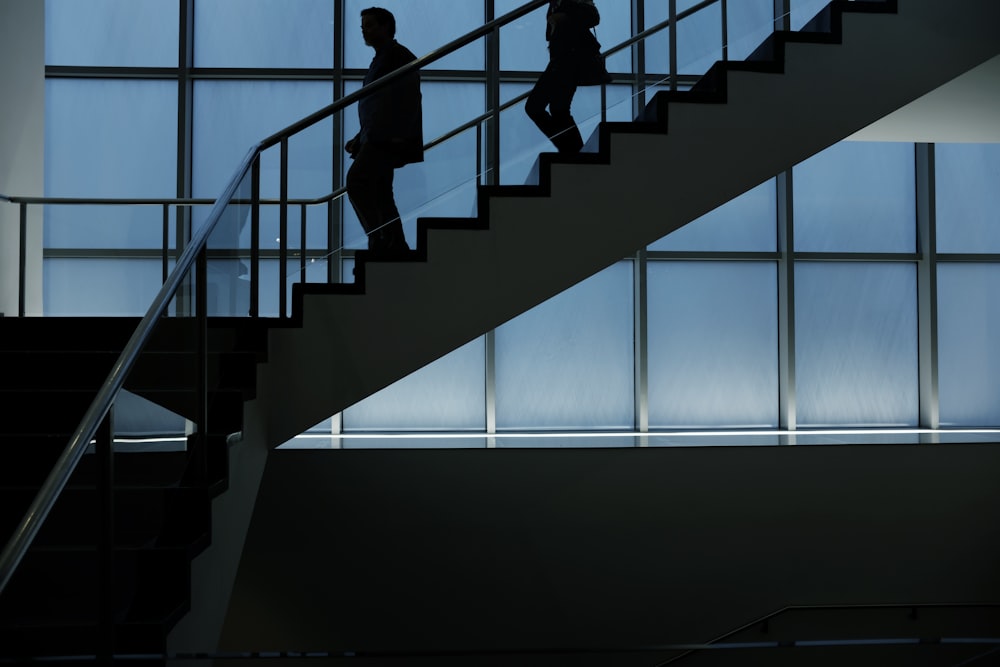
point(641, 346)
point(782, 15)
point(492, 56)
point(638, 58)
point(927, 326)
point(672, 30)
point(786, 302)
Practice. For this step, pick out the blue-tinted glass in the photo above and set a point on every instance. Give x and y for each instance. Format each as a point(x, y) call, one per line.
point(657, 45)
point(446, 395)
point(968, 199)
point(109, 139)
point(231, 116)
point(567, 363)
point(100, 287)
point(521, 141)
point(747, 223)
point(856, 197)
point(712, 344)
point(263, 33)
point(522, 42)
point(804, 11)
point(856, 344)
point(699, 40)
point(749, 24)
point(421, 27)
point(968, 354)
point(112, 33)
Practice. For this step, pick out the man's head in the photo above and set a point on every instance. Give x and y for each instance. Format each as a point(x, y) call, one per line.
point(378, 26)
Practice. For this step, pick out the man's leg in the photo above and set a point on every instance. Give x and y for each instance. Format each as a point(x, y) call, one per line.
point(555, 89)
point(369, 189)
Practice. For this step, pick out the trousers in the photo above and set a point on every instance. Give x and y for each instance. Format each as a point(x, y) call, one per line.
point(548, 105)
point(369, 189)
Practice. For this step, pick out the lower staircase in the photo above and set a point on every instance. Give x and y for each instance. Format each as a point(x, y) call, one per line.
point(687, 153)
point(162, 499)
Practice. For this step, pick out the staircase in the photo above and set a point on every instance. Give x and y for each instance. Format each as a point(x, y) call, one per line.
point(162, 497)
point(686, 154)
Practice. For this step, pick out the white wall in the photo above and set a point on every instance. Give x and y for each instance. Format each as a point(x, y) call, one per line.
point(22, 126)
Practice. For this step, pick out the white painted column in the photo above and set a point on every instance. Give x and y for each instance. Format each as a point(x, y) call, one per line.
point(22, 147)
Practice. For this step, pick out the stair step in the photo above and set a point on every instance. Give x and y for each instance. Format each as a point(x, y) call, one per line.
point(149, 585)
point(144, 516)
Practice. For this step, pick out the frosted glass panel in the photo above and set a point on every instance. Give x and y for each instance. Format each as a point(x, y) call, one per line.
point(747, 223)
point(263, 33)
point(421, 27)
point(111, 33)
point(968, 199)
point(968, 349)
point(750, 22)
point(446, 395)
point(856, 197)
point(567, 363)
point(713, 344)
point(100, 287)
point(856, 344)
point(108, 139)
point(804, 11)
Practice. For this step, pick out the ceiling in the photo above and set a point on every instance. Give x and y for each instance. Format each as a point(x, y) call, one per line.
point(966, 109)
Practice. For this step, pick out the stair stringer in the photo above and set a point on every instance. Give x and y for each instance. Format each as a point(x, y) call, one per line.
point(594, 209)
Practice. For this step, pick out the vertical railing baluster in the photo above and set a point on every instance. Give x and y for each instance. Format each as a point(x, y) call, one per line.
point(165, 256)
point(255, 238)
point(302, 243)
point(105, 437)
point(283, 232)
point(22, 276)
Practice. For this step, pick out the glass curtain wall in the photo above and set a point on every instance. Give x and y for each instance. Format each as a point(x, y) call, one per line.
point(721, 325)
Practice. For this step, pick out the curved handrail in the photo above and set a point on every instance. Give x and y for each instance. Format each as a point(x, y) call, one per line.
point(43, 502)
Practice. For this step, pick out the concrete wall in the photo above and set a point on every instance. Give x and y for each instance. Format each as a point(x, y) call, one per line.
point(22, 123)
point(499, 549)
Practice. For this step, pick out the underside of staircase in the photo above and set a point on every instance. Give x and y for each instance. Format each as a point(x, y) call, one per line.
point(686, 154)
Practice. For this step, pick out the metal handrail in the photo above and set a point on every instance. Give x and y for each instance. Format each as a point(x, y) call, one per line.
point(43, 502)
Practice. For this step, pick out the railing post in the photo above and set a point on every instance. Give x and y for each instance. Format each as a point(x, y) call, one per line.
point(302, 243)
point(22, 260)
point(106, 546)
point(255, 238)
point(283, 232)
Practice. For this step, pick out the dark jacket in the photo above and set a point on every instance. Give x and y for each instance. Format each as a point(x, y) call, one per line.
point(392, 116)
point(571, 37)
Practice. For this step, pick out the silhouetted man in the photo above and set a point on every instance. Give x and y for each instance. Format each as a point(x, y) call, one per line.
point(391, 136)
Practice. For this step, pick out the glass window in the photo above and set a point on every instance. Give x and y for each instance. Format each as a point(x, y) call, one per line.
point(567, 363)
point(100, 287)
point(263, 33)
point(856, 197)
point(109, 138)
point(968, 199)
point(804, 11)
point(421, 27)
point(699, 38)
point(856, 344)
point(232, 116)
point(750, 22)
point(446, 395)
point(747, 223)
point(112, 33)
point(713, 344)
point(968, 355)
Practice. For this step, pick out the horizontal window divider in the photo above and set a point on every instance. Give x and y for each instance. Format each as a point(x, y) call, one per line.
point(857, 256)
point(67, 71)
point(721, 256)
point(986, 257)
